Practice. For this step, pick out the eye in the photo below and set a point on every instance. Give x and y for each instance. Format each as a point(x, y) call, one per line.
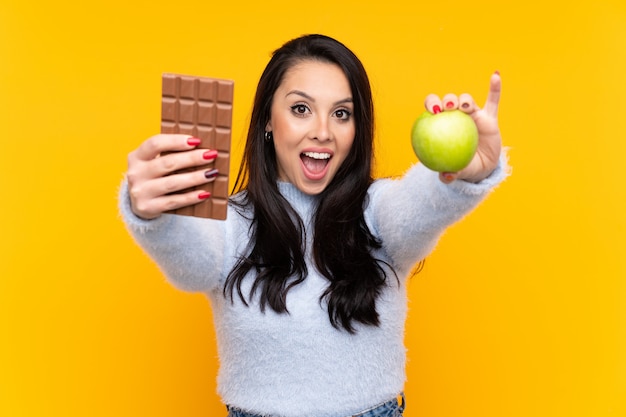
point(299, 109)
point(343, 114)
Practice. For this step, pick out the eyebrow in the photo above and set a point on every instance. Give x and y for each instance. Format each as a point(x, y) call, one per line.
point(308, 97)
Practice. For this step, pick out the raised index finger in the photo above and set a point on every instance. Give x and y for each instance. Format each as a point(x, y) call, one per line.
point(493, 97)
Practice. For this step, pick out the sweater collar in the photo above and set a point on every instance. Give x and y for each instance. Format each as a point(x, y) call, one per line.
point(296, 198)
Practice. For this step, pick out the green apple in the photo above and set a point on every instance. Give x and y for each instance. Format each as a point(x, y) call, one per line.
point(446, 141)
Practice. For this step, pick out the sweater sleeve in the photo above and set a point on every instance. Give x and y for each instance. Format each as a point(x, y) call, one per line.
point(409, 214)
point(188, 250)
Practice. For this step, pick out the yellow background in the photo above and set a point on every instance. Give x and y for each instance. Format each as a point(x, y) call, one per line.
point(521, 310)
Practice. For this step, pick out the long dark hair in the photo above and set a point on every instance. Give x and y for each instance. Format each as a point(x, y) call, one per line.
point(342, 242)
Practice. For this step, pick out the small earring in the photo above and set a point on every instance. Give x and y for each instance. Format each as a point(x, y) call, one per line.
point(268, 136)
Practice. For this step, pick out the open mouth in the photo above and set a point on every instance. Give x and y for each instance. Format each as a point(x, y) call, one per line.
point(315, 163)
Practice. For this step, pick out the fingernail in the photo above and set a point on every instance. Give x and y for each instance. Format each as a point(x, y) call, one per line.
point(212, 154)
point(465, 105)
point(204, 195)
point(193, 141)
point(497, 72)
point(436, 109)
point(449, 104)
point(448, 176)
point(212, 173)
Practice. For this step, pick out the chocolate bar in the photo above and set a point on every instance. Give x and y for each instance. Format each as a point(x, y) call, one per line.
point(202, 107)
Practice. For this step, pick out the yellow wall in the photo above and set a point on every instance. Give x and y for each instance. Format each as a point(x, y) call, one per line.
point(521, 311)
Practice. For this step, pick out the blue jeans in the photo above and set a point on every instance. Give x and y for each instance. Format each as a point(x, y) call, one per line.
point(391, 408)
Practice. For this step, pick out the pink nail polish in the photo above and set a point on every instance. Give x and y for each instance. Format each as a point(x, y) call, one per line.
point(204, 195)
point(193, 141)
point(212, 154)
point(449, 105)
point(436, 109)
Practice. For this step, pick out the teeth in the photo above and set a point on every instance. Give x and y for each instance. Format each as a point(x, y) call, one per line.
point(317, 155)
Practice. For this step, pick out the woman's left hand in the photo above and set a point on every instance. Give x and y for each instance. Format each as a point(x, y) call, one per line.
point(489, 140)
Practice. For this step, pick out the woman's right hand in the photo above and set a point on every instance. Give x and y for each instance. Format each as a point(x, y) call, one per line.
point(151, 184)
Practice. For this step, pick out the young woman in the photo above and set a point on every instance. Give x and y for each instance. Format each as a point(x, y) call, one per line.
point(307, 276)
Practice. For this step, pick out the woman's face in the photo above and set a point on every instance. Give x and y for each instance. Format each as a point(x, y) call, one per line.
point(312, 124)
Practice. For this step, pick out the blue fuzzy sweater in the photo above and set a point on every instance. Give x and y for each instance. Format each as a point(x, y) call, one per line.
point(298, 364)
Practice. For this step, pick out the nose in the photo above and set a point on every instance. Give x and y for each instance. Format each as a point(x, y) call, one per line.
point(321, 129)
